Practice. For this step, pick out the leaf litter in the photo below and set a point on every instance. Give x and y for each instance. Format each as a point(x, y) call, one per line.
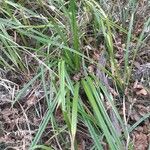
point(14, 130)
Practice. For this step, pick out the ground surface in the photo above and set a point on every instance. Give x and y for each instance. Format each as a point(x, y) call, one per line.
point(19, 123)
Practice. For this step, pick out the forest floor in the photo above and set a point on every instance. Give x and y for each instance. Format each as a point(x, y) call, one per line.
point(24, 90)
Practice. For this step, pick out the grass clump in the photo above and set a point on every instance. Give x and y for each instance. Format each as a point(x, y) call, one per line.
point(78, 94)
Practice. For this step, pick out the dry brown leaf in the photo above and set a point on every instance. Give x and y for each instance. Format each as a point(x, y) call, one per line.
point(31, 100)
point(142, 92)
point(139, 129)
point(135, 115)
point(139, 89)
point(137, 85)
point(142, 110)
point(141, 141)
